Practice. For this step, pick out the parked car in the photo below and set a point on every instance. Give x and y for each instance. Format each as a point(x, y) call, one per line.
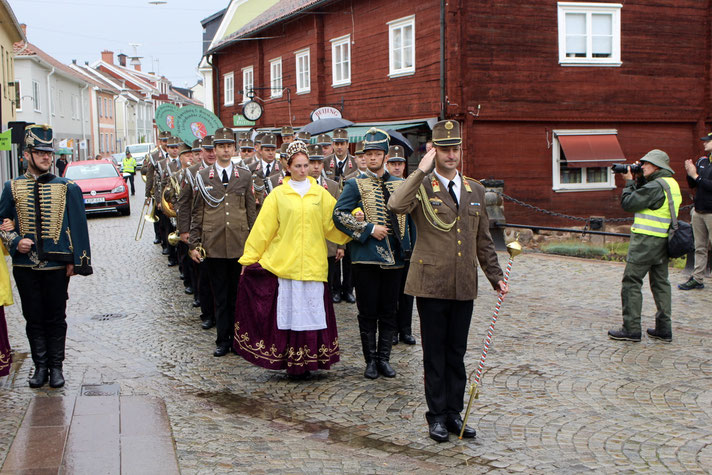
point(139, 151)
point(102, 186)
point(118, 158)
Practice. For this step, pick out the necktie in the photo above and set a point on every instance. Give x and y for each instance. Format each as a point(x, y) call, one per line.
point(225, 180)
point(340, 168)
point(452, 193)
point(267, 169)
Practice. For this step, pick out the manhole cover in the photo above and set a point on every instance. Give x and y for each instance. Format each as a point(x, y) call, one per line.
point(105, 317)
point(106, 389)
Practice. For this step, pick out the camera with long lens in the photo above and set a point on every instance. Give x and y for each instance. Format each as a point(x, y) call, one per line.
point(623, 167)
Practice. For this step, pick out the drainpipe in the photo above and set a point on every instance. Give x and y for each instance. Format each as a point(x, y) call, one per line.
point(442, 60)
point(49, 98)
point(81, 104)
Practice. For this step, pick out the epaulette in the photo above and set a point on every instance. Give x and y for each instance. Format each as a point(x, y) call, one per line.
point(472, 179)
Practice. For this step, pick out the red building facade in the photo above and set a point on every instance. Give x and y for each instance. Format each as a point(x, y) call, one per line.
point(614, 79)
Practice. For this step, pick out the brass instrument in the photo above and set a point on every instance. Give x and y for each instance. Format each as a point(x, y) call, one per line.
point(150, 217)
point(174, 238)
point(172, 190)
point(201, 251)
point(143, 176)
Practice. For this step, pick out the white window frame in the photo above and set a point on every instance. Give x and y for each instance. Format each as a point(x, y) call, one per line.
point(400, 24)
point(589, 9)
point(75, 106)
point(556, 164)
point(342, 44)
point(248, 82)
point(60, 102)
point(275, 77)
point(229, 88)
point(36, 96)
point(303, 76)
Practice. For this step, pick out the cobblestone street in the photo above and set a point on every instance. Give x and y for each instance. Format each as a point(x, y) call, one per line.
point(557, 394)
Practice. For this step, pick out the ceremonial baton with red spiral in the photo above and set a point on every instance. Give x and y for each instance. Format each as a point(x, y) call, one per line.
point(514, 249)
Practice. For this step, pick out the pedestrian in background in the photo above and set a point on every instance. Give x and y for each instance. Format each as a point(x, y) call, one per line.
point(286, 319)
point(647, 252)
point(61, 165)
point(699, 177)
point(128, 168)
point(5, 299)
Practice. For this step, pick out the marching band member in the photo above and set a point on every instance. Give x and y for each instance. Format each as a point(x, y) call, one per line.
point(149, 171)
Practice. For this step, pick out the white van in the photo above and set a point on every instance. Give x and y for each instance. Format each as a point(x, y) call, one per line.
point(139, 151)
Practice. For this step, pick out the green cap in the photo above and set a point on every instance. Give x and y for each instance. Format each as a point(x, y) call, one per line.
point(658, 158)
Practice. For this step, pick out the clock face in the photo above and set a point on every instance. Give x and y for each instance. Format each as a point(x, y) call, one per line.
point(252, 110)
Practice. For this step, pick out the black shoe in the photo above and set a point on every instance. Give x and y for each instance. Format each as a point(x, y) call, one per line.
point(371, 370)
point(395, 338)
point(336, 298)
point(407, 338)
point(156, 241)
point(691, 284)
point(385, 368)
point(40, 377)
point(622, 334)
point(165, 251)
point(208, 324)
point(438, 432)
point(56, 378)
point(454, 425)
point(189, 290)
point(181, 276)
point(221, 350)
point(196, 303)
point(385, 342)
point(653, 333)
point(348, 297)
point(172, 263)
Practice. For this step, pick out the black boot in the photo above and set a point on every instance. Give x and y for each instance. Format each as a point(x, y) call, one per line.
point(40, 377)
point(395, 339)
point(368, 343)
point(38, 347)
point(385, 341)
point(406, 336)
point(56, 378)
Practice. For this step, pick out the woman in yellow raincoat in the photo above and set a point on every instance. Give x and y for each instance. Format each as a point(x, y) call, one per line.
point(5, 299)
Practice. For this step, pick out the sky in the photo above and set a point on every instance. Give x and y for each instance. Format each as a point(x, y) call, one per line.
point(170, 35)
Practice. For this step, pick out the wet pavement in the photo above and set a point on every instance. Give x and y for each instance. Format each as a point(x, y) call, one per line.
point(557, 395)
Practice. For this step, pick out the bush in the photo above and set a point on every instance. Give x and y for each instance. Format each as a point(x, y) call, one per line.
point(575, 249)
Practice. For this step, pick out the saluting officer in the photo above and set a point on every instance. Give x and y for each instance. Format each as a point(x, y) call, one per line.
point(49, 242)
point(451, 222)
point(379, 245)
point(340, 165)
point(223, 214)
point(148, 169)
point(186, 201)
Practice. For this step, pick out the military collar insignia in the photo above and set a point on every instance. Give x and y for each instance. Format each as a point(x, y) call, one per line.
point(212, 173)
point(466, 185)
point(435, 183)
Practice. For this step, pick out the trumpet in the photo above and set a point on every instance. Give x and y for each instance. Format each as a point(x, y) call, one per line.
point(172, 190)
point(150, 217)
point(174, 238)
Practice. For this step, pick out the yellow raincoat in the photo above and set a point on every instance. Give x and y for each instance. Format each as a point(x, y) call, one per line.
point(5, 288)
point(288, 237)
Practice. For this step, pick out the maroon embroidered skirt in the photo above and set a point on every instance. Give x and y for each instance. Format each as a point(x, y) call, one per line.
point(259, 341)
point(5, 357)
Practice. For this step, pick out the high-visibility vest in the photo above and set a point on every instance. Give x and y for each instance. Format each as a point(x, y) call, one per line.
point(656, 222)
point(128, 165)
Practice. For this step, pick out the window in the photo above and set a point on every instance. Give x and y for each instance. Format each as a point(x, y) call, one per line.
point(303, 78)
point(111, 108)
point(75, 106)
point(101, 142)
point(60, 102)
point(582, 159)
point(247, 83)
point(36, 96)
point(18, 96)
point(111, 143)
point(52, 100)
point(401, 46)
point(275, 77)
point(229, 87)
point(590, 34)
point(4, 81)
point(341, 61)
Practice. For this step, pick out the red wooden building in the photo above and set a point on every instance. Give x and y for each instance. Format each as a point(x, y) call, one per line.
point(550, 93)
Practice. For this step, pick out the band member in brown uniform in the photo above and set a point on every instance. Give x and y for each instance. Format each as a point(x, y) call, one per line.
point(223, 214)
point(185, 155)
point(165, 169)
point(287, 133)
point(149, 171)
point(267, 166)
point(453, 230)
point(340, 165)
point(186, 201)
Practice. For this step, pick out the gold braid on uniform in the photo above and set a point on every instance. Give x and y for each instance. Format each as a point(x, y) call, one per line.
point(24, 196)
point(53, 197)
point(430, 213)
point(374, 203)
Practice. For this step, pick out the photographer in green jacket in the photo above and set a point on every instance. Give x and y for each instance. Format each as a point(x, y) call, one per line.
point(647, 252)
